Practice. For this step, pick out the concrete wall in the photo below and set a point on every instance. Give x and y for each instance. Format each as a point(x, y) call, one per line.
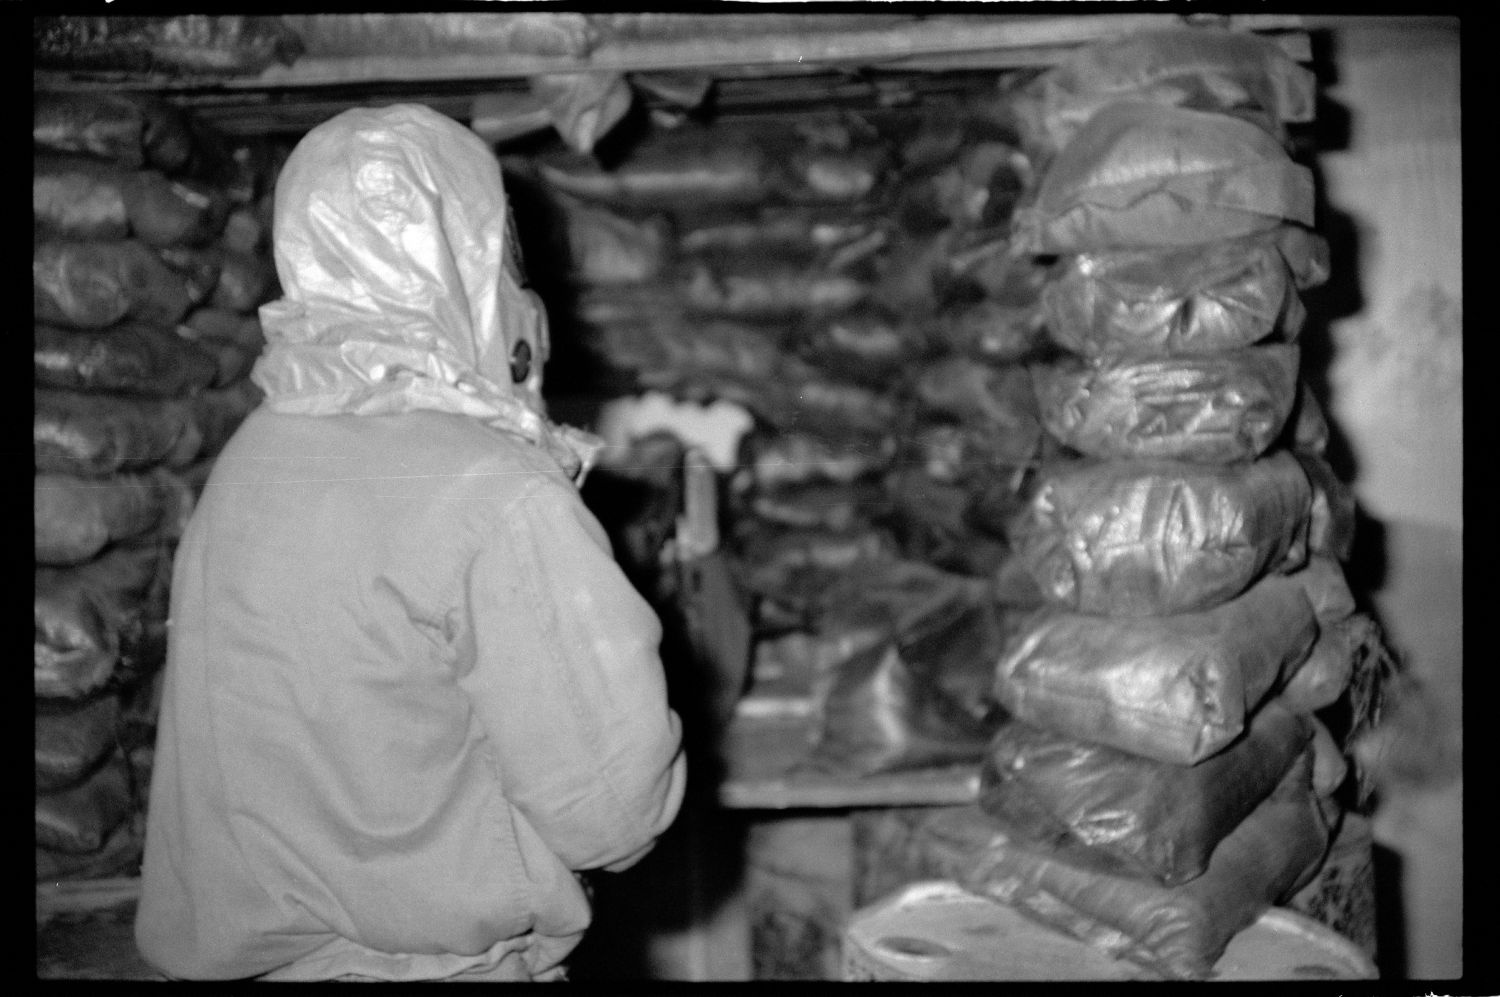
point(1392, 353)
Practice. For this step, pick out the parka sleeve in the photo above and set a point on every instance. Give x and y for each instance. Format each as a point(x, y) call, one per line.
point(567, 680)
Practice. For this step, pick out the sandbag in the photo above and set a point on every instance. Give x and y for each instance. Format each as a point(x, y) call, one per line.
point(773, 292)
point(1173, 688)
point(969, 453)
point(245, 283)
point(234, 341)
point(131, 358)
point(1327, 590)
point(218, 412)
point(90, 285)
point(932, 522)
point(130, 130)
point(174, 212)
point(99, 618)
point(1103, 809)
point(772, 459)
point(1330, 767)
point(1345, 648)
point(687, 170)
point(78, 198)
point(1203, 299)
point(1310, 431)
point(991, 331)
point(978, 185)
point(867, 345)
point(606, 247)
point(79, 820)
point(1333, 511)
point(1210, 69)
point(94, 435)
point(72, 739)
point(1150, 538)
point(971, 392)
point(821, 238)
point(1178, 932)
point(805, 397)
point(881, 715)
point(1217, 408)
point(201, 268)
point(75, 518)
point(822, 505)
point(1140, 175)
point(118, 857)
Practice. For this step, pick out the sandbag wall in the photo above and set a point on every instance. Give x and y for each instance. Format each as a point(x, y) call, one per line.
point(1165, 772)
point(847, 278)
point(151, 256)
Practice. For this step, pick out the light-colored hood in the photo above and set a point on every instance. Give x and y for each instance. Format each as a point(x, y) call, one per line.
point(402, 283)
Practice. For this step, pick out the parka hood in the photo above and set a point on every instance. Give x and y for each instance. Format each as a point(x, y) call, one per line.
point(402, 282)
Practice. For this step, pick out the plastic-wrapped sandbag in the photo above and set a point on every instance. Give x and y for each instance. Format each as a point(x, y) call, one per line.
point(931, 521)
point(71, 739)
point(1150, 538)
point(606, 247)
point(132, 358)
point(991, 331)
point(687, 170)
point(93, 435)
point(774, 459)
point(1202, 299)
point(78, 820)
point(881, 715)
point(1130, 816)
point(1322, 580)
point(1309, 426)
point(825, 505)
point(1174, 688)
point(75, 518)
point(99, 618)
point(1330, 767)
point(75, 197)
point(1211, 69)
point(866, 344)
point(772, 292)
point(1342, 651)
point(90, 285)
point(1332, 515)
point(1139, 176)
point(131, 130)
point(218, 412)
point(1213, 408)
point(245, 283)
point(1178, 931)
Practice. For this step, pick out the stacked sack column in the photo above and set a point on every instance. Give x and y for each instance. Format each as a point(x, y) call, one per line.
point(149, 261)
point(1164, 778)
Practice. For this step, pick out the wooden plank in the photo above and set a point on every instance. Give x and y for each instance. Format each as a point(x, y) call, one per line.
point(936, 43)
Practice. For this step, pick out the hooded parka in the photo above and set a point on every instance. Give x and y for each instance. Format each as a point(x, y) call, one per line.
point(409, 693)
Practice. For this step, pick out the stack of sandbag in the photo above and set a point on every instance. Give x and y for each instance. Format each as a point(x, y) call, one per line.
point(1163, 775)
point(846, 279)
point(150, 260)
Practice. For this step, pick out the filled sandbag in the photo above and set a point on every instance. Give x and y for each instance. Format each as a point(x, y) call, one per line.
point(1201, 299)
point(1148, 538)
point(73, 739)
point(95, 435)
point(1345, 648)
point(826, 505)
point(130, 130)
point(770, 459)
point(79, 820)
point(773, 292)
point(1210, 69)
point(991, 330)
point(1215, 408)
point(1101, 808)
point(600, 246)
point(867, 345)
point(932, 522)
point(100, 618)
point(1140, 175)
point(130, 358)
point(1333, 512)
point(218, 412)
point(76, 518)
point(90, 285)
point(245, 283)
point(1310, 432)
point(880, 715)
point(1178, 932)
point(1172, 688)
point(201, 268)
